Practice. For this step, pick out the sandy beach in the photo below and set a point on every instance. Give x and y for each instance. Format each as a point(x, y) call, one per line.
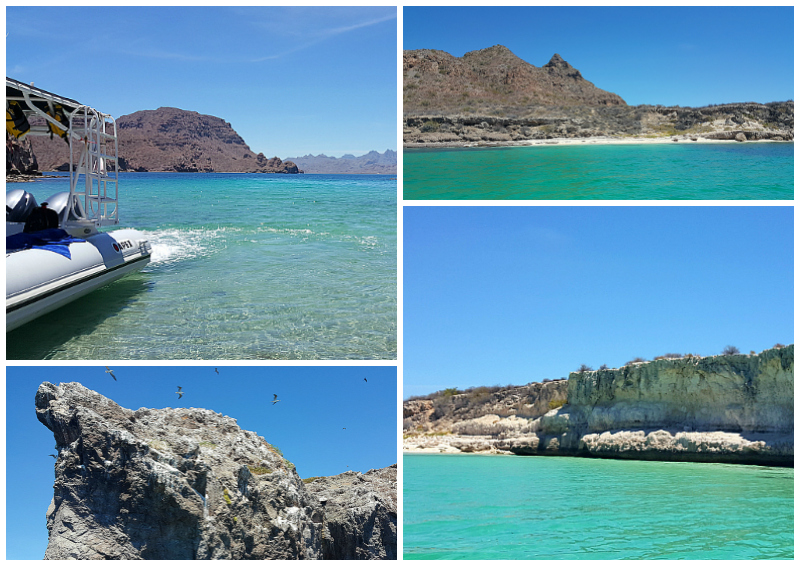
point(596, 140)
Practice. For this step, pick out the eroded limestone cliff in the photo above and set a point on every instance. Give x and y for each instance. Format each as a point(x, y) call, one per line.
point(730, 408)
point(190, 484)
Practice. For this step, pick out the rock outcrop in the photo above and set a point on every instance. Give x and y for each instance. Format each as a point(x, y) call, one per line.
point(509, 125)
point(360, 518)
point(172, 140)
point(20, 159)
point(729, 408)
point(176, 484)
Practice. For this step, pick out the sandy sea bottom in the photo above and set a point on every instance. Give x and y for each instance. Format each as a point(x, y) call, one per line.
point(512, 507)
point(244, 266)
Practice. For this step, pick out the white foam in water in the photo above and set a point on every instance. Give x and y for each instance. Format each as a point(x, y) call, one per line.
point(171, 246)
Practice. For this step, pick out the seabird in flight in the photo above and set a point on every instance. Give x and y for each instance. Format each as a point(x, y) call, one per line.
point(111, 372)
point(275, 398)
point(179, 392)
point(365, 379)
point(54, 456)
point(216, 370)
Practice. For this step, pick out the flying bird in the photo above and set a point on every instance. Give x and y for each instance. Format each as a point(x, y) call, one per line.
point(275, 398)
point(110, 372)
point(216, 370)
point(179, 392)
point(54, 456)
point(365, 380)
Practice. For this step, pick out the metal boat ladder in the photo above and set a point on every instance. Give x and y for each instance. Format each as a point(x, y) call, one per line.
point(94, 175)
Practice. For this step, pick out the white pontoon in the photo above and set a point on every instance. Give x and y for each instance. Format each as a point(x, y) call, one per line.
point(48, 268)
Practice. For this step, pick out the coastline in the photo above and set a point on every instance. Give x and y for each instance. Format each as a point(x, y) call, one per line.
point(593, 140)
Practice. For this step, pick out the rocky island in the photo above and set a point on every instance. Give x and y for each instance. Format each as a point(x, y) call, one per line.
point(180, 484)
point(735, 408)
point(492, 97)
point(172, 140)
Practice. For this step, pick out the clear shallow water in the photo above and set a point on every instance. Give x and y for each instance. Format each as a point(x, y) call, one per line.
point(762, 171)
point(512, 507)
point(244, 266)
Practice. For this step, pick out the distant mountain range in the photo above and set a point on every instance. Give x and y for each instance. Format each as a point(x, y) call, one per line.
point(372, 163)
point(175, 140)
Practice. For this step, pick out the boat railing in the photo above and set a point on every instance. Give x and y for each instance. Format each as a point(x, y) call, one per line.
point(94, 168)
point(93, 153)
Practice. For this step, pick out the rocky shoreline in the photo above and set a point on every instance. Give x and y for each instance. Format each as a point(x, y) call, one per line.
point(730, 408)
point(621, 124)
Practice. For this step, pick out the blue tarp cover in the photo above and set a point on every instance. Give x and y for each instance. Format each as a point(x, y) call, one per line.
point(54, 239)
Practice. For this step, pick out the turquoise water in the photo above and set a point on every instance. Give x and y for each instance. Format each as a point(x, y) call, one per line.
point(244, 266)
point(762, 171)
point(512, 507)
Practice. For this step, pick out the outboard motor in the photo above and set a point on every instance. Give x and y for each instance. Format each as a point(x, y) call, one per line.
point(19, 204)
point(58, 202)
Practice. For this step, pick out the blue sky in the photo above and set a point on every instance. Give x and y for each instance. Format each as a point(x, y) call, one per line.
point(688, 56)
point(307, 424)
point(511, 295)
point(291, 81)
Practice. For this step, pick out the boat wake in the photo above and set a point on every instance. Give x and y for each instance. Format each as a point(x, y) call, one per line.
point(175, 245)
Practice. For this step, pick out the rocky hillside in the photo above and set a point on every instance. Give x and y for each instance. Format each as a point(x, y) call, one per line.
point(516, 125)
point(177, 484)
point(730, 408)
point(435, 81)
point(174, 140)
point(372, 163)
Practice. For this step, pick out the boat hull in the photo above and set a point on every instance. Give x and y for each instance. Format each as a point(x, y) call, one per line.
point(40, 281)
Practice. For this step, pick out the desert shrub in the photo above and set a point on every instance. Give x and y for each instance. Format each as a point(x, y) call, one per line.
point(556, 404)
point(604, 366)
point(430, 126)
point(584, 368)
point(310, 480)
point(635, 361)
point(730, 350)
point(226, 496)
point(450, 391)
point(779, 345)
point(673, 356)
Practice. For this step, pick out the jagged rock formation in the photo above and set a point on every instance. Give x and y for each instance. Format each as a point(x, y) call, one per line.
point(730, 408)
point(360, 514)
point(510, 126)
point(20, 159)
point(176, 484)
point(372, 163)
point(174, 140)
point(436, 81)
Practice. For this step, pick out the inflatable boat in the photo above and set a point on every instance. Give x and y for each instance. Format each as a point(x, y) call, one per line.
point(57, 251)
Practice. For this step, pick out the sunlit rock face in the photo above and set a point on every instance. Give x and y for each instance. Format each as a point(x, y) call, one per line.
point(730, 408)
point(173, 484)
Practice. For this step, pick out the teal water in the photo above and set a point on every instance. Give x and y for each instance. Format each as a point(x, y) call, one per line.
point(244, 266)
point(762, 171)
point(512, 507)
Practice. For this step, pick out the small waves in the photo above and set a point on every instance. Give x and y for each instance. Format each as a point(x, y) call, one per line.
point(176, 245)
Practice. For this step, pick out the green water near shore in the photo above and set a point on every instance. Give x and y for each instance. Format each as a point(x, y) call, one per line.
point(244, 266)
point(510, 507)
point(763, 171)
